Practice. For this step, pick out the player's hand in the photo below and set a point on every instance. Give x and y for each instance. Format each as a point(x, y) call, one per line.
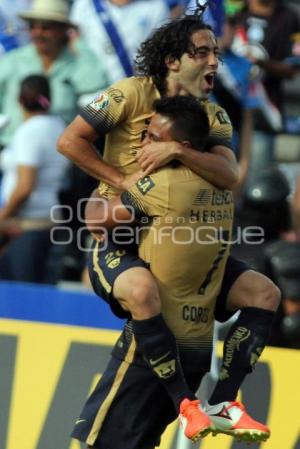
point(153, 155)
point(130, 180)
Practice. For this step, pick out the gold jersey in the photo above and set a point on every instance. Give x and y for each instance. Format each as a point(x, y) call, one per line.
point(123, 112)
point(186, 242)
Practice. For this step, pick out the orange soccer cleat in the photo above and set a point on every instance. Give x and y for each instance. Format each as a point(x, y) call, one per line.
point(196, 424)
point(231, 418)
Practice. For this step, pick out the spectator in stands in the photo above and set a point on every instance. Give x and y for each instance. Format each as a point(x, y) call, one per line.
point(271, 246)
point(296, 206)
point(177, 7)
point(114, 29)
point(13, 32)
point(235, 91)
point(32, 175)
point(214, 14)
point(71, 73)
point(265, 35)
point(284, 257)
point(233, 6)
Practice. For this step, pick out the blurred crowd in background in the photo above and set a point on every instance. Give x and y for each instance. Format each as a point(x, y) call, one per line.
point(56, 55)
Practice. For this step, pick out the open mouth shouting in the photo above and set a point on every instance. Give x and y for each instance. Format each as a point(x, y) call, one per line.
point(209, 79)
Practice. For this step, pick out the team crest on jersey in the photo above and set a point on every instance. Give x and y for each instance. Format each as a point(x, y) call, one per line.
point(113, 258)
point(145, 184)
point(223, 118)
point(100, 102)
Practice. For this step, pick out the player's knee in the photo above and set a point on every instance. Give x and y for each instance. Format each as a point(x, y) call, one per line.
point(145, 299)
point(270, 296)
point(267, 295)
point(254, 290)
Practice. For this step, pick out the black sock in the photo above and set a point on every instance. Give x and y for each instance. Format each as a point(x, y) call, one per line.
point(242, 347)
point(158, 346)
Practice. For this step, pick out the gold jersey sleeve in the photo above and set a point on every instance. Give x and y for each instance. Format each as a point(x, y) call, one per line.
point(186, 243)
point(122, 113)
point(220, 125)
point(111, 106)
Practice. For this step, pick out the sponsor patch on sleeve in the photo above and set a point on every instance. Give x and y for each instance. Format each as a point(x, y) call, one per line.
point(223, 118)
point(145, 184)
point(101, 102)
point(116, 94)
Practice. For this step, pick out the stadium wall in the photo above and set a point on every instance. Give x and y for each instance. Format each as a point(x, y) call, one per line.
point(54, 346)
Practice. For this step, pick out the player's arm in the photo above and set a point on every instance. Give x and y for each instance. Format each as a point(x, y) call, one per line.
point(217, 163)
point(218, 166)
point(97, 119)
point(77, 144)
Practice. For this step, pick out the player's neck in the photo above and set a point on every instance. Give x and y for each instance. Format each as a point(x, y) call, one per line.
point(174, 87)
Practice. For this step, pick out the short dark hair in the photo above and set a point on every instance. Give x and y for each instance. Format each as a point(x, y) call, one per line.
point(189, 119)
point(171, 41)
point(35, 93)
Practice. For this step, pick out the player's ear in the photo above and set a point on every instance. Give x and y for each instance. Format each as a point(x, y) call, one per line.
point(172, 64)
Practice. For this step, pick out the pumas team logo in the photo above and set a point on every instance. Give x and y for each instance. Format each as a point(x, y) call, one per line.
point(100, 102)
point(145, 184)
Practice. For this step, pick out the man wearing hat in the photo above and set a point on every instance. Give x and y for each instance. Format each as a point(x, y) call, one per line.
point(71, 72)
